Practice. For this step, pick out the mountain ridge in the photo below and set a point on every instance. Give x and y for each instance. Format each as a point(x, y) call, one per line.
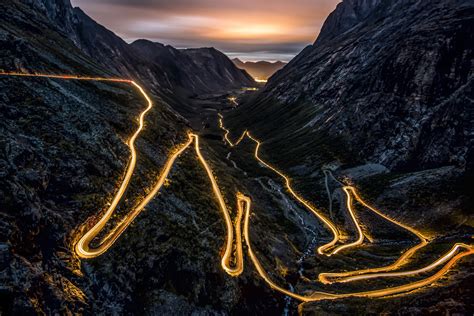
point(104, 45)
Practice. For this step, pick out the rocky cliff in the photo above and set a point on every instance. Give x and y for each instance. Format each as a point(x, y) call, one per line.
point(348, 14)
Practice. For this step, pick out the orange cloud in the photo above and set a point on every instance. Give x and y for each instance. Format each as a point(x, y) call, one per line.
point(279, 28)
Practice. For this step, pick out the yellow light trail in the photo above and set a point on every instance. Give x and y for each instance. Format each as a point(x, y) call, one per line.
point(64, 77)
point(82, 247)
point(226, 258)
point(84, 250)
point(450, 258)
point(287, 180)
point(360, 239)
point(316, 212)
point(328, 278)
point(227, 132)
point(434, 265)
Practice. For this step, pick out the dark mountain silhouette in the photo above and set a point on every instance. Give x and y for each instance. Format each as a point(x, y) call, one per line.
point(122, 58)
point(392, 79)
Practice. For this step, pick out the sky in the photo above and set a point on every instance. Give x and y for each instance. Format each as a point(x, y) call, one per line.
point(251, 30)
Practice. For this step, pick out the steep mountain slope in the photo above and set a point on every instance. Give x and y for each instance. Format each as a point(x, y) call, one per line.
point(395, 87)
point(62, 153)
point(261, 69)
point(348, 14)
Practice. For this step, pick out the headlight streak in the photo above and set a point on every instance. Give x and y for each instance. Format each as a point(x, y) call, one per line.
point(325, 220)
point(84, 250)
point(227, 132)
point(449, 258)
point(360, 239)
point(226, 258)
point(328, 278)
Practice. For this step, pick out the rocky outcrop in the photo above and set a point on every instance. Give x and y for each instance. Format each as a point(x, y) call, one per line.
point(347, 14)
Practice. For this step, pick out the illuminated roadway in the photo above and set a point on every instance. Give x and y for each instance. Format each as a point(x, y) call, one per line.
point(444, 263)
point(232, 259)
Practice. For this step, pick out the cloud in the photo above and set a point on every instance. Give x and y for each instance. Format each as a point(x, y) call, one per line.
point(279, 27)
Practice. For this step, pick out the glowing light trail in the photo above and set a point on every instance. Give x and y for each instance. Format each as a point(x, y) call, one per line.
point(450, 257)
point(227, 132)
point(316, 212)
point(360, 239)
point(434, 265)
point(84, 250)
point(64, 77)
point(226, 259)
point(373, 272)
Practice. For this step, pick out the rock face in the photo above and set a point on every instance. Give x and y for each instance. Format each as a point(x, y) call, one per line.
point(347, 14)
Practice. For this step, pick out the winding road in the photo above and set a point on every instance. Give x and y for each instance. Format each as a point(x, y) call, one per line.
point(232, 260)
point(445, 262)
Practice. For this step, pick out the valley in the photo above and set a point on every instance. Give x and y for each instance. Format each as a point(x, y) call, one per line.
point(138, 178)
point(237, 219)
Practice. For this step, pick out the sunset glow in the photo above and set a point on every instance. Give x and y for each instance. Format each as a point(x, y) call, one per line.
point(250, 30)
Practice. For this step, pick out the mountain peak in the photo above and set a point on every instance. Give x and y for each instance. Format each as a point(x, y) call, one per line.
point(346, 15)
